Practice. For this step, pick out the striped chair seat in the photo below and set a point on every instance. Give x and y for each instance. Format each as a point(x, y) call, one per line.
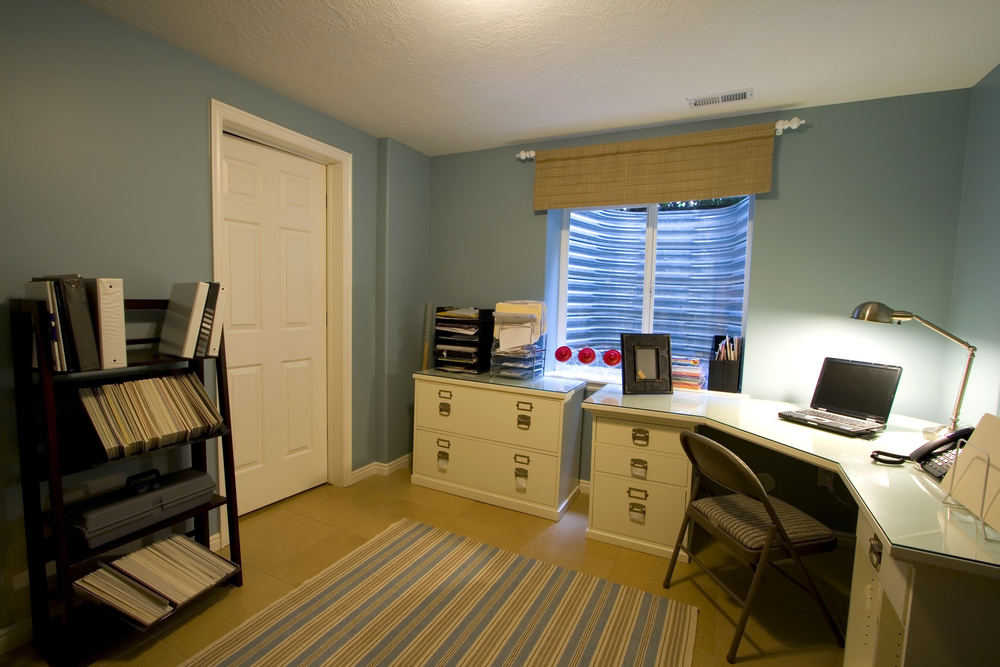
point(746, 519)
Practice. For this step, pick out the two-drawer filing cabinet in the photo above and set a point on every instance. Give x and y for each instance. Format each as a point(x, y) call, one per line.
point(640, 482)
point(508, 442)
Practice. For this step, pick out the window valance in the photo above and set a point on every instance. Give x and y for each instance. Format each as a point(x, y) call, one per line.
point(702, 165)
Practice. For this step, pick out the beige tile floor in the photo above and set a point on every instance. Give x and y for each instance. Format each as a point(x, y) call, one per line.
point(288, 542)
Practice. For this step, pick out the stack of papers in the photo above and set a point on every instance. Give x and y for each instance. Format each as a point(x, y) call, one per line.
point(139, 416)
point(518, 323)
point(148, 584)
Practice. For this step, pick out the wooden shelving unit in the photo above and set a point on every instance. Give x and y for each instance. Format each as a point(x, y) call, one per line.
point(56, 439)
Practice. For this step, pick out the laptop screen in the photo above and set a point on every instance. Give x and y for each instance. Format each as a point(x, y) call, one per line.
point(856, 388)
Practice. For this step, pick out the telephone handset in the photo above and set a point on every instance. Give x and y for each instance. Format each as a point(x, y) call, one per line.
point(935, 456)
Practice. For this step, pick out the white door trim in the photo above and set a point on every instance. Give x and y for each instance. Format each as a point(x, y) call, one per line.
point(229, 119)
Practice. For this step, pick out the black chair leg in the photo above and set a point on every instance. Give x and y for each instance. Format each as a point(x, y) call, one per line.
point(677, 550)
point(819, 601)
point(745, 615)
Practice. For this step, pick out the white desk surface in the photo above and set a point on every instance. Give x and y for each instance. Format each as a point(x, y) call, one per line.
point(906, 502)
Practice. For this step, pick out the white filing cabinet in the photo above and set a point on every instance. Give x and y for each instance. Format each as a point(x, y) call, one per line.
point(507, 442)
point(640, 481)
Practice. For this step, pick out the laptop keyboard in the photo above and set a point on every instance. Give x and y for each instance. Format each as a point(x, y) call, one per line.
point(840, 419)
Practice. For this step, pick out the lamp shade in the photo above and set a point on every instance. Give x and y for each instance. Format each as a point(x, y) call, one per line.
point(873, 311)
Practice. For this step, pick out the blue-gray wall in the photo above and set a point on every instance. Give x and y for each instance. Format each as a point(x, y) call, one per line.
point(403, 210)
point(975, 305)
point(864, 206)
point(104, 171)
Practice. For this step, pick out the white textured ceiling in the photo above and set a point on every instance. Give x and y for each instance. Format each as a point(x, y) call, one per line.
point(447, 76)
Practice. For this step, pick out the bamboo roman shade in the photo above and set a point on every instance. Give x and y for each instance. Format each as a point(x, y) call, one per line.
point(703, 165)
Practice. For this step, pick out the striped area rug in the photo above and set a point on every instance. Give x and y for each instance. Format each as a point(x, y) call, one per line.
point(417, 595)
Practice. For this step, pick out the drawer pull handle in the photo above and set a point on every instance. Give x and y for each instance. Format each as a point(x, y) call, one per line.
point(638, 494)
point(520, 480)
point(444, 393)
point(444, 409)
point(640, 437)
point(524, 405)
point(637, 513)
point(639, 468)
point(442, 461)
point(524, 422)
point(875, 552)
point(441, 442)
point(522, 458)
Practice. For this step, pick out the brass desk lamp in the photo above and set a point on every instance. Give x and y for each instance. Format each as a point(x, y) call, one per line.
point(873, 311)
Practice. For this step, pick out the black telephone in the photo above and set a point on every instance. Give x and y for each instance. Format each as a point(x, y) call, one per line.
point(935, 457)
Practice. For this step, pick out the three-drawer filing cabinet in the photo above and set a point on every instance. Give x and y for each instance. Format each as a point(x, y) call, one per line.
point(640, 482)
point(508, 442)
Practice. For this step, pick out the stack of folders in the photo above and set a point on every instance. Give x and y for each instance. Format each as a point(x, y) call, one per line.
point(148, 584)
point(192, 326)
point(143, 415)
point(456, 348)
point(86, 320)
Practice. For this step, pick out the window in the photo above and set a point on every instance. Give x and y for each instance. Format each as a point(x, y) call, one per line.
point(676, 268)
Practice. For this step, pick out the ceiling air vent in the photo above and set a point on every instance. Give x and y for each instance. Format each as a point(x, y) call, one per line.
point(720, 98)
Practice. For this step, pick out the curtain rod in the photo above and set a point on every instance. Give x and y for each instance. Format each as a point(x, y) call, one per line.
point(779, 128)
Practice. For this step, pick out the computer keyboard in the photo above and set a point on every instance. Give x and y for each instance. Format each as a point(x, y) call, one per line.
point(841, 419)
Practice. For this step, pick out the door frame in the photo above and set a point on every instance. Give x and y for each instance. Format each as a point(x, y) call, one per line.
point(226, 118)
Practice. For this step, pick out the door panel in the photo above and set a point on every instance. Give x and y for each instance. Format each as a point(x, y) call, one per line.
point(275, 264)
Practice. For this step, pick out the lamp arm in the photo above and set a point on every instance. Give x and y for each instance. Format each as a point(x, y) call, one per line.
point(965, 373)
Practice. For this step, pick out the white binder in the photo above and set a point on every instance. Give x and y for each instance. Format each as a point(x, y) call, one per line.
point(107, 307)
point(182, 322)
point(220, 316)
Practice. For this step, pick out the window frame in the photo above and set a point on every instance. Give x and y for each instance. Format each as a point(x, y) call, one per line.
point(649, 284)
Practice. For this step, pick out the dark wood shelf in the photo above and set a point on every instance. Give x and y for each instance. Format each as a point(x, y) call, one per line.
point(56, 438)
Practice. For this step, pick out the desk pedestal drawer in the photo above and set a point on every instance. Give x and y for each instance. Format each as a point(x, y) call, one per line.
point(639, 509)
point(638, 436)
point(642, 466)
point(526, 475)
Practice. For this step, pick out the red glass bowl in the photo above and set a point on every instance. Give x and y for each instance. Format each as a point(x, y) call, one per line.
point(586, 356)
point(612, 357)
point(564, 354)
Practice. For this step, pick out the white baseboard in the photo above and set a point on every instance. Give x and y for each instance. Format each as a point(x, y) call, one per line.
point(15, 635)
point(382, 469)
point(585, 486)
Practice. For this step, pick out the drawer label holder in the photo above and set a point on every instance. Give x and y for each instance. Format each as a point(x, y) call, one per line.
point(638, 494)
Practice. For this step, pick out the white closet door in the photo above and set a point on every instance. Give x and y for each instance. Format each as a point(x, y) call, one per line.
point(274, 260)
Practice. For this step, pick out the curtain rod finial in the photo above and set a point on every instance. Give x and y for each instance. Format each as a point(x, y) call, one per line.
point(783, 125)
point(524, 156)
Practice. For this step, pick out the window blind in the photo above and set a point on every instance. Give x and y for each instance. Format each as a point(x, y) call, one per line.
point(703, 165)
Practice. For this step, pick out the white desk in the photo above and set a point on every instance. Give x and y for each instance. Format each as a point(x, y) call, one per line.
point(933, 597)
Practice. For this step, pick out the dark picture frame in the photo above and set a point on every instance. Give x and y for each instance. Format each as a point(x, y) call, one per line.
point(646, 364)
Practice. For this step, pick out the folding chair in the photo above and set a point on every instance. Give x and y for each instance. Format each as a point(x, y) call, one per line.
point(758, 529)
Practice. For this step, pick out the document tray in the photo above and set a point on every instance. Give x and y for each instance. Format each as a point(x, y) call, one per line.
point(147, 498)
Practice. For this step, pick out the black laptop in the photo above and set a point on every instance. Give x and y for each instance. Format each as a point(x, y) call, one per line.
point(852, 398)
